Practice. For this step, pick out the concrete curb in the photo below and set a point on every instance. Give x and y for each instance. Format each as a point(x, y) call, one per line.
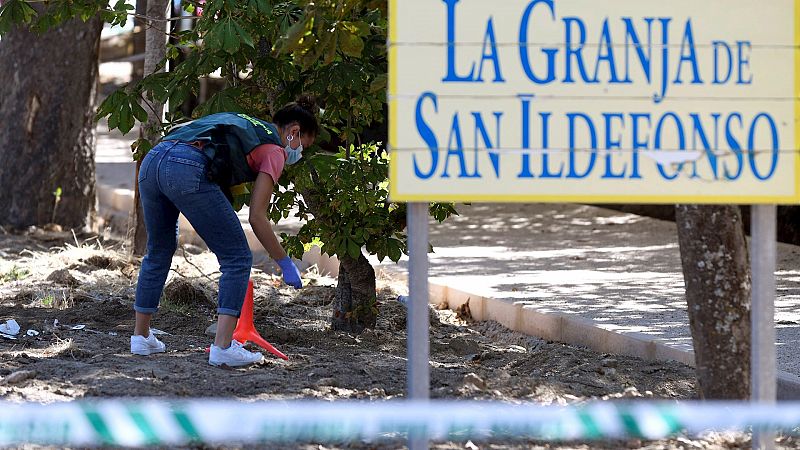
point(559, 327)
point(577, 331)
point(515, 316)
point(788, 386)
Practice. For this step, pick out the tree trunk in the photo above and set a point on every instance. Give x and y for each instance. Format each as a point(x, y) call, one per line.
point(139, 40)
point(139, 246)
point(355, 305)
point(155, 51)
point(354, 308)
point(717, 276)
point(48, 85)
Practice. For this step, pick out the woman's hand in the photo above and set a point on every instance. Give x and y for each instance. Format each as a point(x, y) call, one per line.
point(291, 275)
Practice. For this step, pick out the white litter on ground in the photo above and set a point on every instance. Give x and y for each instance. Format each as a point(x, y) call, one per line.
point(11, 327)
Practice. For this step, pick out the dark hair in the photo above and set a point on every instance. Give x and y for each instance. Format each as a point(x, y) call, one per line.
point(303, 111)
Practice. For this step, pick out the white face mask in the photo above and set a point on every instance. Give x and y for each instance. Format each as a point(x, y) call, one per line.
point(293, 154)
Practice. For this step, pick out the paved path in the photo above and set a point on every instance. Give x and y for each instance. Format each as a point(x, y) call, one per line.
point(620, 270)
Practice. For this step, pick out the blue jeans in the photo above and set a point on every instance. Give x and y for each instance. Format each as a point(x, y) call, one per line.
point(172, 180)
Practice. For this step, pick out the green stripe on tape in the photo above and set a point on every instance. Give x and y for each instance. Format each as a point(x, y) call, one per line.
point(186, 425)
point(674, 424)
point(99, 426)
point(631, 427)
point(141, 422)
point(590, 428)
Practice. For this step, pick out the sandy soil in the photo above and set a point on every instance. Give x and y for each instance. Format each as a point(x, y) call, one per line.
point(80, 280)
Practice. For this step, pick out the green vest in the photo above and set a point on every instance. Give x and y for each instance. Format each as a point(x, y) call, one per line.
point(227, 140)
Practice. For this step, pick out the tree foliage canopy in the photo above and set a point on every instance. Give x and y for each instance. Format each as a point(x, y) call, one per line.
point(23, 13)
point(270, 52)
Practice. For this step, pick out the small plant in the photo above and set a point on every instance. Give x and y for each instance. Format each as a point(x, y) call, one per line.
point(57, 199)
point(49, 300)
point(14, 274)
point(56, 298)
point(178, 308)
point(363, 312)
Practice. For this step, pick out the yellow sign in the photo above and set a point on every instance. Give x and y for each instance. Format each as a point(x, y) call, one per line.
point(622, 101)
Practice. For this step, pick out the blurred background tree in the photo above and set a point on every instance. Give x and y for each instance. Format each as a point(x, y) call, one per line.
point(48, 81)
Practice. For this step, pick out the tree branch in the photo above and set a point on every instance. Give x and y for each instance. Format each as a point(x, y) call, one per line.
point(152, 19)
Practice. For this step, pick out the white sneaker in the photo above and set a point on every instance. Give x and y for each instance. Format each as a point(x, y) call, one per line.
point(234, 356)
point(146, 346)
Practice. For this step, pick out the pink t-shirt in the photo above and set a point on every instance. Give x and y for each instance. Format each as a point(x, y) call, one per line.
point(267, 158)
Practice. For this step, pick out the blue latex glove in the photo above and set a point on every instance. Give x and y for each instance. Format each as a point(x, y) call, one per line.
point(291, 275)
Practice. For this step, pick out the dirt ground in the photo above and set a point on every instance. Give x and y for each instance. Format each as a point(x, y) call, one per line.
point(87, 285)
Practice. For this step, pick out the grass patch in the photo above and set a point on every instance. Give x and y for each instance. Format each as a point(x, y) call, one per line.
point(177, 307)
point(55, 298)
point(14, 274)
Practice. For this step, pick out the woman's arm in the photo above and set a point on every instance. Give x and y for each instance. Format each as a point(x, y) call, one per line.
point(259, 204)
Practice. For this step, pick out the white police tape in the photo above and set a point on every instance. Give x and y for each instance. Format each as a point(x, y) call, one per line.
point(142, 422)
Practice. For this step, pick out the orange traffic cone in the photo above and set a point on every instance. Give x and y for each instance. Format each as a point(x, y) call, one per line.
point(245, 329)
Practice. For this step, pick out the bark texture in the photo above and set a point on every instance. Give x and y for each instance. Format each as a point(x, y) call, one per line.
point(48, 85)
point(139, 39)
point(717, 275)
point(155, 51)
point(354, 308)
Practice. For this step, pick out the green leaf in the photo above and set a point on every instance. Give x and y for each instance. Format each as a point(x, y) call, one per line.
point(223, 101)
point(178, 95)
point(138, 111)
point(230, 40)
point(113, 120)
point(239, 201)
point(212, 7)
point(140, 147)
point(294, 36)
point(394, 251)
point(350, 44)
point(15, 12)
point(353, 250)
point(106, 107)
point(24, 12)
point(244, 35)
point(379, 84)
point(126, 119)
point(213, 38)
point(5, 19)
point(262, 7)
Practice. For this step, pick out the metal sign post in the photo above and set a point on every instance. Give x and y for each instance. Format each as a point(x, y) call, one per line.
point(417, 322)
point(762, 313)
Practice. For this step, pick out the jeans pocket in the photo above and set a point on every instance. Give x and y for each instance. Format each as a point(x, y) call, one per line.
point(184, 175)
point(148, 158)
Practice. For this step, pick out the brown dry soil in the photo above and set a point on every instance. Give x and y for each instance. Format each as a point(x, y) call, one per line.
point(468, 360)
